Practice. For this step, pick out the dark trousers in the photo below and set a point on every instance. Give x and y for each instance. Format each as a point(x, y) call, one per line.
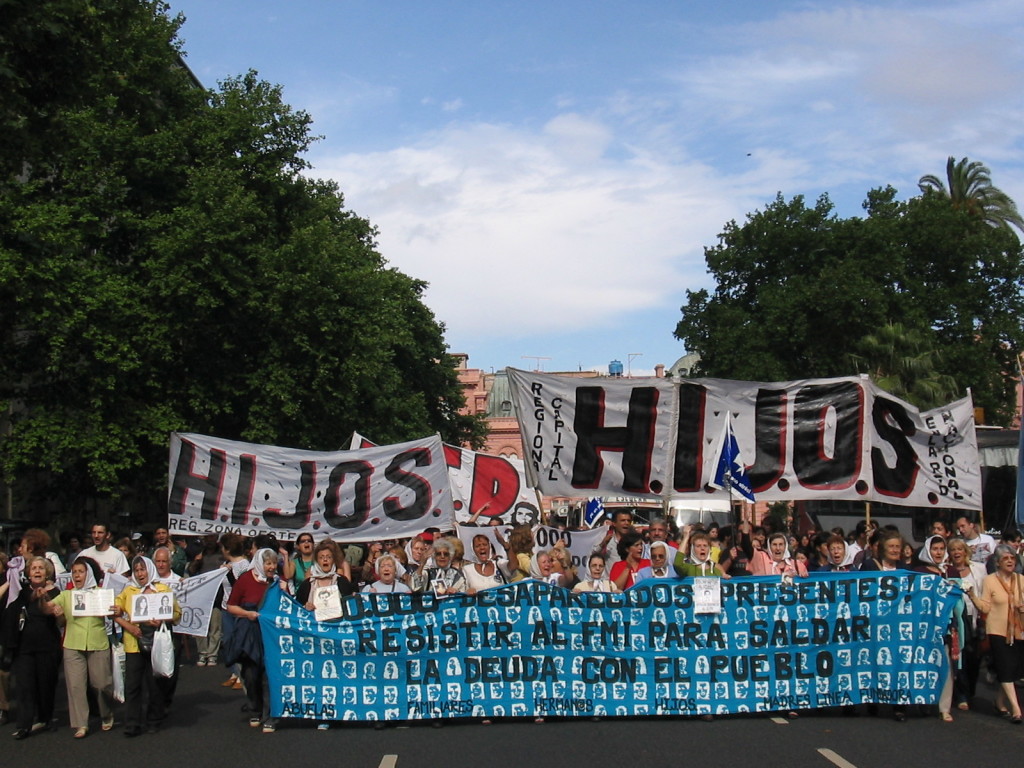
point(35, 686)
point(141, 690)
point(253, 677)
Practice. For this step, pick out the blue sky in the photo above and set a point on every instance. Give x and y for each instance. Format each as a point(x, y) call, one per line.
point(578, 156)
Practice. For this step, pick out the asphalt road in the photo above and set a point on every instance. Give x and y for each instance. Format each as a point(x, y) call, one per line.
point(206, 727)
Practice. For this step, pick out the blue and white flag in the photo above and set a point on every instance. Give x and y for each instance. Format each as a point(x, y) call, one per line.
point(730, 470)
point(594, 511)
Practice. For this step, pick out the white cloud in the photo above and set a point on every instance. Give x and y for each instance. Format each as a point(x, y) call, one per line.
point(518, 231)
point(857, 85)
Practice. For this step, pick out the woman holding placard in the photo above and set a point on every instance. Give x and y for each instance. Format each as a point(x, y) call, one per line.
point(86, 650)
point(140, 686)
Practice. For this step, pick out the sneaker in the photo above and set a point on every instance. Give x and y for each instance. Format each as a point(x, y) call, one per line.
point(269, 725)
point(254, 722)
point(37, 727)
point(211, 661)
point(202, 662)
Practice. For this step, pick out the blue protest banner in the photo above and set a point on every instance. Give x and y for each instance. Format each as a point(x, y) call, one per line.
point(531, 649)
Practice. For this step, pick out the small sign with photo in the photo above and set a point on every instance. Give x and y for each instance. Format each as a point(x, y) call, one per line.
point(91, 602)
point(152, 606)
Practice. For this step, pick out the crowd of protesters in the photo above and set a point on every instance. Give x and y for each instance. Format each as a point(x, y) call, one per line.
point(39, 636)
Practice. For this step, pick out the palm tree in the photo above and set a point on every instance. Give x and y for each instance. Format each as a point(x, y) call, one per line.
point(903, 362)
point(970, 189)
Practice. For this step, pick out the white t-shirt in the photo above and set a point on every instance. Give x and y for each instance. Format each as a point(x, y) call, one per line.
point(111, 560)
point(982, 547)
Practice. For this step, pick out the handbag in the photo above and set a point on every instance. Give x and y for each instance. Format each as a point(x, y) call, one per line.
point(162, 655)
point(117, 661)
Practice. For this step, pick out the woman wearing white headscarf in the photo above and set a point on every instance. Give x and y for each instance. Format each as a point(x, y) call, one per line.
point(776, 561)
point(86, 652)
point(245, 645)
point(389, 573)
point(139, 683)
point(596, 580)
point(484, 571)
point(443, 577)
point(932, 558)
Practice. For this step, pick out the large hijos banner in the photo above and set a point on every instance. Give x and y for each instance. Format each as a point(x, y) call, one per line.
point(392, 491)
point(494, 485)
point(841, 438)
point(531, 649)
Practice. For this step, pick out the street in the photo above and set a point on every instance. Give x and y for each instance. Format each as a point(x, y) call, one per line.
point(206, 727)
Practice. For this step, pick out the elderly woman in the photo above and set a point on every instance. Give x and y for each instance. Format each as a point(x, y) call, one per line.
point(967, 574)
point(839, 557)
point(144, 704)
point(933, 559)
point(245, 641)
point(324, 573)
point(596, 580)
point(86, 652)
point(388, 572)
point(30, 631)
point(484, 572)
point(698, 562)
point(776, 559)
point(443, 578)
point(1002, 598)
point(887, 554)
point(561, 565)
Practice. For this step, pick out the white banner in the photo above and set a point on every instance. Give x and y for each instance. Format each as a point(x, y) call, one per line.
point(579, 544)
point(393, 491)
point(840, 438)
point(195, 596)
point(480, 481)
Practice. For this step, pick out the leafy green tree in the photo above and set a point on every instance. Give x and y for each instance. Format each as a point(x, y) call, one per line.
point(165, 265)
point(968, 187)
point(798, 290)
point(903, 361)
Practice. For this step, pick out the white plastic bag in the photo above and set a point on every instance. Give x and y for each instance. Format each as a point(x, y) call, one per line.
point(117, 668)
point(162, 656)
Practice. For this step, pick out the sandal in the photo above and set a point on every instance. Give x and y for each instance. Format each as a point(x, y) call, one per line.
point(81, 733)
point(945, 717)
point(963, 706)
point(107, 723)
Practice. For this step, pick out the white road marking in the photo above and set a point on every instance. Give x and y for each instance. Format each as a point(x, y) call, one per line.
point(780, 720)
point(837, 760)
point(388, 761)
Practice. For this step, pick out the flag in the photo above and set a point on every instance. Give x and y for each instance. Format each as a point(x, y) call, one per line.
point(593, 512)
point(730, 471)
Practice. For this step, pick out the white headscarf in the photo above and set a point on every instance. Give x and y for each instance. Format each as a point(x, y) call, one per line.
point(257, 565)
point(151, 573)
point(925, 555)
point(90, 577)
point(535, 566)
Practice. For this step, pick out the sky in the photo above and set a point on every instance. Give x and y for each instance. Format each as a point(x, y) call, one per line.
point(554, 170)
